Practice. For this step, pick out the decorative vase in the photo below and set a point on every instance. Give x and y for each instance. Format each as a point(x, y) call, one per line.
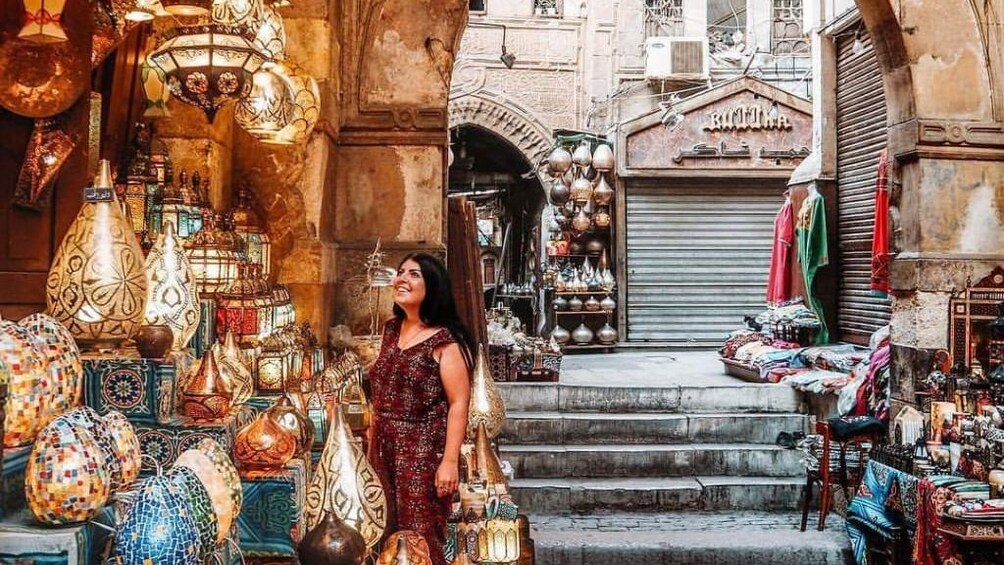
point(332, 542)
point(208, 395)
point(199, 506)
point(592, 305)
point(560, 192)
point(212, 465)
point(560, 335)
point(486, 403)
point(603, 194)
point(603, 157)
point(29, 388)
point(560, 304)
point(345, 484)
point(264, 445)
point(158, 529)
point(582, 156)
point(285, 414)
point(559, 161)
point(581, 192)
point(582, 335)
point(66, 480)
point(62, 358)
point(606, 334)
point(608, 304)
point(96, 286)
point(154, 341)
point(575, 304)
point(171, 299)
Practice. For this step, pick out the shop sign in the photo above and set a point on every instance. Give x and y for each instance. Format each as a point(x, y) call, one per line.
point(745, 117)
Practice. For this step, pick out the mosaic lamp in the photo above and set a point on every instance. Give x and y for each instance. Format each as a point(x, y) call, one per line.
point(42, 21)
point(208, 66)
point(215, 470)
point(28, 384)
point(158, 527)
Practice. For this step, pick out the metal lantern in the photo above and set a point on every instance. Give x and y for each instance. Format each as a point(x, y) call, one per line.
point(187, 7)
point(271, 35)
point(283, 312)
point(213, 260)
point(236, 309)
point(42, 21)
point(248, 225)
point(208, 66)
point(238, 12)
point(283, 106)
point(498, 542)
point(187, 219)
point(582, 190)
point(146, 10)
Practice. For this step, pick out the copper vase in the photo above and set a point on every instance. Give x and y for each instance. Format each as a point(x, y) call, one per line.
point(264, 445)
point(208, 395)
point(332, 542)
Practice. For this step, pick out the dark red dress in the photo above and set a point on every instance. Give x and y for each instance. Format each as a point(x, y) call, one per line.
point(410, 408)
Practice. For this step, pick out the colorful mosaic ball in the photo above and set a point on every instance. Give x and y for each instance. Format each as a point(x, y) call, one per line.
point(200, 506)
point(30, 389)
point(159, 528)
point(212, 465)
point(66, 480)
point(117, 440)
point(63, 359)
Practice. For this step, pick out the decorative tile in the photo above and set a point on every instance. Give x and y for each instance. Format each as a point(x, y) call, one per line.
point(164, 442)
point(142, 389)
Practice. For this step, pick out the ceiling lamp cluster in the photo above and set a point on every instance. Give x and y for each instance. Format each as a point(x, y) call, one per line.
point(239, 56)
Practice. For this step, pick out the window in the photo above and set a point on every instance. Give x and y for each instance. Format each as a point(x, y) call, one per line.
point(663, 18)
point(546, 7)
point(726, 26)
point(786, 36)
point(476, 5)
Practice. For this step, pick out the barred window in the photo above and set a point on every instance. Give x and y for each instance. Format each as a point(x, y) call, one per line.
point(546, 8)
point(476, 5)
point(663, 18)
point(786, 35)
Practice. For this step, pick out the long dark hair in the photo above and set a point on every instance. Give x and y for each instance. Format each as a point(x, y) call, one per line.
point(438, 307)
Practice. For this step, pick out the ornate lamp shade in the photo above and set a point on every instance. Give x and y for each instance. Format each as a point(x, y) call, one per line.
point(264, 445)
point(43, 21)
point(603, 157)
point(236, 308)
point(287, 416)
point(498, 542)
point(96, 286)
point(345, 483)
point(159, 528)
point(489, 467)
point(229, 360)
point(486, 403)
point(154, 81)
point(271, 35)
point(332, 541)
point(217, 473)
point(208, 395)
point(208, 66)
point(283, 107)
point(213, 259)
point(115, 436)
point(30, 385)
point(134, 197)
point(238, 12)
point(199, 506)
point(47, 151)
point(272, 366)
point(187, 7)
point(172, 299)
point(283, 312)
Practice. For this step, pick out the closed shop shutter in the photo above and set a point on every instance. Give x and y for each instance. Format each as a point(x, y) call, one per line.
point(697, 259)
point(861, 135)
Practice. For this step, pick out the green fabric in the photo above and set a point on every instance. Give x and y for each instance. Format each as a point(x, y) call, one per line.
point(810, 235)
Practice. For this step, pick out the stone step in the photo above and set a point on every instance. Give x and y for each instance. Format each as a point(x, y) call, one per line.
point(687, 538)
point(604, 428)
point(658, 494)
point(739, 397)
point(654, 460)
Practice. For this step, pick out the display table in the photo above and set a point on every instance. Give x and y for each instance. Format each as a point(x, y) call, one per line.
point(164, 442)
point(981, 543)
point(141, 389)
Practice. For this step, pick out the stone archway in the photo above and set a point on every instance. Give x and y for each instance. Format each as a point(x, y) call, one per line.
point(513, 124)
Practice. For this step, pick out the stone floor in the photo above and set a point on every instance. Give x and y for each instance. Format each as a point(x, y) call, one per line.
point(645, 369)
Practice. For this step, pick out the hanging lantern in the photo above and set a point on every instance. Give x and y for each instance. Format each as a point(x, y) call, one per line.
point(486, 403)
point(187, 7)
point(582, 190)
point(48, 149)
point(213, 259)
point(43, 21)
point(603, 194)
point(559, 161)
point(208, 66)
point(271, 35)
point(146, 10)
point(238, 12)
point(283, 106)
point(154, 82)
point(603, 157)
point(581, 221)
point(172, 299)
point(582, 156)
point(96, 286)
point(249, 226)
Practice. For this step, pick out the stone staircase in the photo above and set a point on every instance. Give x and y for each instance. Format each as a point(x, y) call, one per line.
point(610, 472)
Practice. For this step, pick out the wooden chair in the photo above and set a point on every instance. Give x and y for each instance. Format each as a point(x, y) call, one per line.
point(829, 472)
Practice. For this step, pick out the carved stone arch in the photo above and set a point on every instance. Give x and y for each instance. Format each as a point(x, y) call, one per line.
point(513, 124)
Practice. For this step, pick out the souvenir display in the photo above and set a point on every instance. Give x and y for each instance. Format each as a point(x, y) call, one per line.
point(172, 298)
point(96, 286)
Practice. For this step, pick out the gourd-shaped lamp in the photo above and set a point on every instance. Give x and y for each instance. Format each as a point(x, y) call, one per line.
point(96, 286)
point(29, 385)
point(345, 483)
point(208, 395)
point(172, 299)
point(158, 528)
point(42, 21)
point(264, 445)
point(486, 403)
point(215, 469)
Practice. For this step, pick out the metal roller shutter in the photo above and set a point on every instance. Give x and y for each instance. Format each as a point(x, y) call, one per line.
point(861, 135)
point(697, 259)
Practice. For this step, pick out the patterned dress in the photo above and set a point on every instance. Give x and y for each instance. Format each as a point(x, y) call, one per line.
point(410, 408)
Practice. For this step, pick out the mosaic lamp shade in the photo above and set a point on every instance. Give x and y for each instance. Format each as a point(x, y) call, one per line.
point(43, 21)
point(208, 66)
point(199, 505)
point(29, 387)
point(66, 481)
point(172, 296)
point(154, 81)
point(115, 436)
point(486, 403)
point(96, 285)
point(215, 470)
point(344, 482)
point(159, 528)
point(62, 357)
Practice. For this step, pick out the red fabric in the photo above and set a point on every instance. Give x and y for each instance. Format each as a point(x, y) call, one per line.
point(880, 231)
point(932, 547)
point(410, 408)
point(779, 280)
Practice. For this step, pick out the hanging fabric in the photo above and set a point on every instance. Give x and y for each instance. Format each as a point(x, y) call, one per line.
point(779, 279)
point(880, 231)
point(810, 236)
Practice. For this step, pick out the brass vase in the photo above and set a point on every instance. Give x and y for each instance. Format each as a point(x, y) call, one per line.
point(172, 299)
point(332, 542)
point(264, 445)
point(208, 395)
point(486, 403)
point(346, 484)
point(96, 285)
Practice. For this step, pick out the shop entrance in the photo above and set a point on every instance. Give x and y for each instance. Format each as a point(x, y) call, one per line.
point(697, 258)
point(491, 172)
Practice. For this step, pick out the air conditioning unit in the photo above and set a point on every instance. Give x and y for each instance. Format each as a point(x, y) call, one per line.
point(669, 58)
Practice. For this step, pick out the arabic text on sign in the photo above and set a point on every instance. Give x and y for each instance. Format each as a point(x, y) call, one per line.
point(738, 118)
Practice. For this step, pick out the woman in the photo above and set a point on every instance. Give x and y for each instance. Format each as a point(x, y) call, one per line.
point(420, 387)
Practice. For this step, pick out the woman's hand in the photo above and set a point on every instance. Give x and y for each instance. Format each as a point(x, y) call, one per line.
point(447, 478)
